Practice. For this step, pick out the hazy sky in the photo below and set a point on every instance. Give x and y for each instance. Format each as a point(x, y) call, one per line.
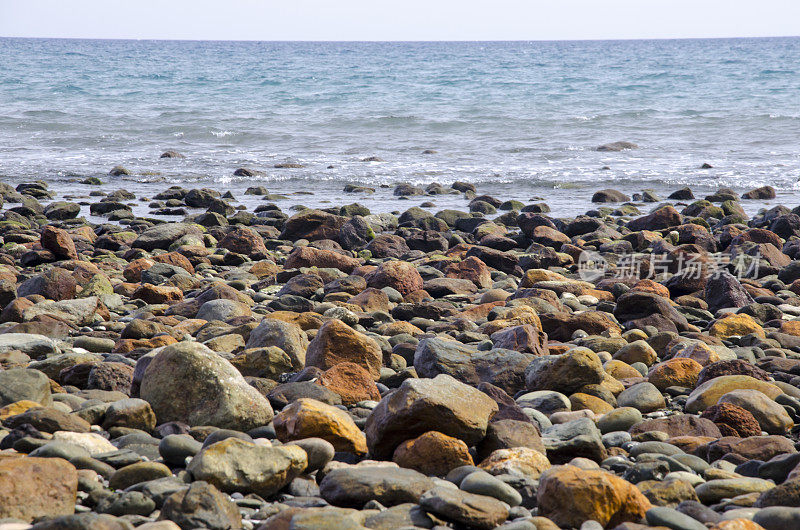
point(398, 20)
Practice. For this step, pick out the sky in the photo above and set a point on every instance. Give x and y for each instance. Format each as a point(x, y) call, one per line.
point(357, 20)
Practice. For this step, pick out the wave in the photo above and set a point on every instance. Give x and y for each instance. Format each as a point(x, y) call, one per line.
point(45, 113)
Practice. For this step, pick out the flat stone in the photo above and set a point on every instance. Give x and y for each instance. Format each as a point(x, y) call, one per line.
point(236, 465)
point(714, 491)
point(473, 511)
point(353, 487)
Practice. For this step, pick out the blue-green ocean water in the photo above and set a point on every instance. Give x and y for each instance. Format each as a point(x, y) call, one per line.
point(520, 119)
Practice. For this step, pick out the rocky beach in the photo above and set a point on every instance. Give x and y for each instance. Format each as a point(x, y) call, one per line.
point(181, 360)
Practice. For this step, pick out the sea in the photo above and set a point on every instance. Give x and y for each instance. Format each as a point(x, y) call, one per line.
point(520, 120)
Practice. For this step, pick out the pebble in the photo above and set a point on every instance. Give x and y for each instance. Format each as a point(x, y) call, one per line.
point(231, 370)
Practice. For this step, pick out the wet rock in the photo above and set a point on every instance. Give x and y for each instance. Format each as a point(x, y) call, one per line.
point(617, 146)
point(312, 225)
point(609, 196)
point(661, 218)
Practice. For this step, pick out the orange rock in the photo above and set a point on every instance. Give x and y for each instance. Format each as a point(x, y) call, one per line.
point(84, 232)
point(190, 326)
point(649, 286)
point(158, 294)
point(523, 461)
point(433, 453)
point(37, 487)
point(336, 342)
point(264, 269)
point(458, 251)
point(351, 382)
point(399, 275)
point(581, 401)
point(561, 326)
point(84, 271)
point(133, 272)
point(791, 327)
point(515, 317)
point(420, 295)
point(317, 257)
point(391, 329)
point(472, 269)
point(243, 240)
point(735, 324)
point(306, 321)
point(479, 311)
point(569, 496)
point(690, 443)
point(175, 258)
point(128, 345)
point(620, 370)
point(533, 276)
point(675, 372)
point(58, 242)
point(737, 524)
point(309, 418)
point(557, 348)
point(18, 407)
point(370, 299)
point(125, 288)
point(603, 296)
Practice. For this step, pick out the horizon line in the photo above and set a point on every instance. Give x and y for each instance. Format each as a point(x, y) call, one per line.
point(401, 41)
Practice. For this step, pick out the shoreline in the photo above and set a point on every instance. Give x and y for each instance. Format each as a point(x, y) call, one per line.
point(460, 362)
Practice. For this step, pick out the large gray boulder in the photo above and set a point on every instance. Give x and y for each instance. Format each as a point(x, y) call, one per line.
point(162, 236)
point(440, 404)
point(238, 465)
point(353, 487)
point(81, 311)
point(20, 383)
point(285, 335)
point(188, 382)
point(28, 343)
